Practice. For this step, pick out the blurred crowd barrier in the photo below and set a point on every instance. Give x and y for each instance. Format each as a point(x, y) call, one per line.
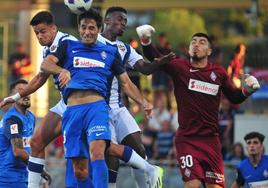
point(171, 179)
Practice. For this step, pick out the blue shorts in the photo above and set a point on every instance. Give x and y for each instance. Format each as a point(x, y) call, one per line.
point(83, 123)
point(70, 179)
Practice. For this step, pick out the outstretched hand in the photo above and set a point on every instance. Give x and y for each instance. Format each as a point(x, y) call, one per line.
point(148, 109)
point(166, 58)
point(46, 176)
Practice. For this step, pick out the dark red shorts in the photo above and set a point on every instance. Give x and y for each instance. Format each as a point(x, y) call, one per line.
point(200, 158)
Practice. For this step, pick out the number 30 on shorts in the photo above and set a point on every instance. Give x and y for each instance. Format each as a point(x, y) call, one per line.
point(186, 161)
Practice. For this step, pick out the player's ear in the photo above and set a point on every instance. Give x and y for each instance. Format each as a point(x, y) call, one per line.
point(209, 51)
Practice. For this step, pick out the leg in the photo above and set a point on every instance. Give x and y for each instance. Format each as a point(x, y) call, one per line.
point(99, 167)
point(193, 184)
point(48, 130)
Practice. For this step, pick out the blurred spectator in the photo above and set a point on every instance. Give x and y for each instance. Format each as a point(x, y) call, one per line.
point(161, 82)
point(160, 114)
point(164, 140)
point(226, 121)
point(19, 64)
point(236, 68)
point(237, 155)
point(217, 55)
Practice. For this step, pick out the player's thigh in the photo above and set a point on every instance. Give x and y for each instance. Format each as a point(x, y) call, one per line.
point(213, 186)
point(49, 128)
point(193, 184)
point(124, 123)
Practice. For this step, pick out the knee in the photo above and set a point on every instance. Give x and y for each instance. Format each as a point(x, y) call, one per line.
point(80, 173)
point(96, 154)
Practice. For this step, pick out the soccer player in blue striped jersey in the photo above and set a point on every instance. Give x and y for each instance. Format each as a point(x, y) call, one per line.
point(85, 73)
point(16, 130)
point(124, 128)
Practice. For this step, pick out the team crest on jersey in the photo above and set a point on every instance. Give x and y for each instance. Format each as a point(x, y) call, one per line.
point(121, 47)
point(213, 76)
point(103, 55)
point(187, 172)
point(14, 129)
point(203, 87)
point(53, 48)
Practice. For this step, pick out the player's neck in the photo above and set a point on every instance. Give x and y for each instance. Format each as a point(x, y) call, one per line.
point(21, 109)
point(108, 35)
point(201, 63)
point(255, 159)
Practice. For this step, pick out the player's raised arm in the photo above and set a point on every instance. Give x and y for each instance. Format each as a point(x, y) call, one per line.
point(150, 67)
point(236, 95)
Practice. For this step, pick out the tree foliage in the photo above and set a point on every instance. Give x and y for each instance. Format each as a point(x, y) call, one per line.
point(179, 25)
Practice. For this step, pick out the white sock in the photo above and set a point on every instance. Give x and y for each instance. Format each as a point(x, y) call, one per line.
point(34, 177)
point(112, 185)
point(138, 162)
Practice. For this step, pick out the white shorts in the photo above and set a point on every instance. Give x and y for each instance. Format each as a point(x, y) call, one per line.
point(59, 108)
point(121, 124)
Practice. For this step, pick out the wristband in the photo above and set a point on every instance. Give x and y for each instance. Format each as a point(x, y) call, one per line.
point(15, 97)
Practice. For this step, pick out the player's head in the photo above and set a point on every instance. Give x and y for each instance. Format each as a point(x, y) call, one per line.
point(115, 20)
point(17, 86)
point(89, 25)
point(254, 143)
point(44, 27)
point(200, 47)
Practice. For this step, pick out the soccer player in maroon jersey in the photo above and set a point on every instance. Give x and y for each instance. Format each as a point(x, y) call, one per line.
point(198, 85)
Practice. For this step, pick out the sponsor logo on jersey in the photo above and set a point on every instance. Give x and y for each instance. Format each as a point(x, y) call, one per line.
point(26, 142)
point(203, 87)
point(213, 76)
point(97, 130)
point(258, 184)
point(103, 55)
point(14, 129)
point(81, 62)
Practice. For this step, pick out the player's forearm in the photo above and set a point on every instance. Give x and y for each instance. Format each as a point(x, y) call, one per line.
point(49, 65)
point(133, 92)
point(146, 67)
point(37, 82)
point(21, 154)
point(150, 52)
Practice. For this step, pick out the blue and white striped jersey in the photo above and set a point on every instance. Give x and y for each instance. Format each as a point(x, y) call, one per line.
point(129, 57)
point(50, 49)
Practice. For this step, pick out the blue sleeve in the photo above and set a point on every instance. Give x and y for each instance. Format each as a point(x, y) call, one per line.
point(240, 179)
point(118, 66)
point(13, 127)
point(61, 51)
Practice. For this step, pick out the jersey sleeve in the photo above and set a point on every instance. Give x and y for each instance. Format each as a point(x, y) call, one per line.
point(61, 51)
point(118, 67)
point(13, 127)
point(233, 93)
point(239, 179)
point(133, 57)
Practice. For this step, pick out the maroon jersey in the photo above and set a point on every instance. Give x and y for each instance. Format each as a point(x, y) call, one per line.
point(198, 92)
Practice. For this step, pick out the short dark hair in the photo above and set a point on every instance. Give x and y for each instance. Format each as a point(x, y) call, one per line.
point(42, 17)
point(205, 36)
point(115, 9)
point(91, 14)
point(251, 135)
point(15, 83)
